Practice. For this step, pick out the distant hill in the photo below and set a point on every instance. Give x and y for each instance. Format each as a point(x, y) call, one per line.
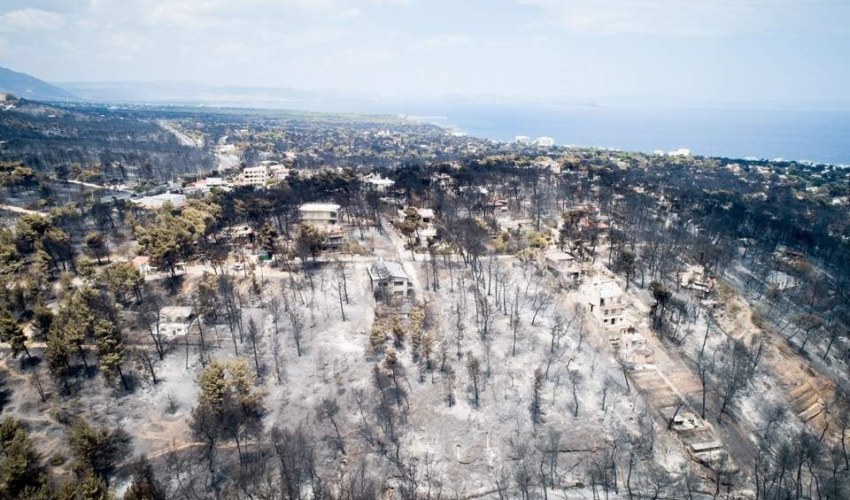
point(177, 93)
point(30, 87)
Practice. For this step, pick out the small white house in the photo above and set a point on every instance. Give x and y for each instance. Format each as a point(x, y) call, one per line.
point(175, 321)
point(389, 280)
point(377, 183)
point(320, 214)
point(565, 267)
point(605, 299)
point(158, 201)
point(426, 229)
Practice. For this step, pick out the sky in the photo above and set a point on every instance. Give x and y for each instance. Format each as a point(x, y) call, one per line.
point(691, 51)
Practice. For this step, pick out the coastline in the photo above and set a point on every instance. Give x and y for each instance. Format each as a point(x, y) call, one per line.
point(803, 136)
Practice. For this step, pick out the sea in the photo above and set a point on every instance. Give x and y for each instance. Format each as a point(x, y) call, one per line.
point(814, 135)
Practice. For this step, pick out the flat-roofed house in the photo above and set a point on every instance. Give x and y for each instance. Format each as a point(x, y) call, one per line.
point(158, 201)
point(605, 299)
point(389, 280)
point(425, 229)
point(320, 214)
point(375, 182)
point(565, 267)
point(253, 176)
point(175, 321)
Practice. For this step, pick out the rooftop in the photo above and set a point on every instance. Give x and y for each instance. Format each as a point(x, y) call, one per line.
point(388, 269)
point(319, 207)
point(176, 311)
point(157, 201)
point(558, 256)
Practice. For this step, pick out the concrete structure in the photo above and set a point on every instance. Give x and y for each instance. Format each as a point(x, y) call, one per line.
point(204, 186)
point(320, 214)
point(781, 281)
point(253, 176)
point(544, 142)
point(426, 227)
point(175, 320)
point(334, 236)
point(510, 224)
point(278, 172)
point(565, 267)
point(377, 183)
point(693, 278)
point(389, 281)
point(522, 139)
point(606, 303)
point(142, 263)
point(426, 215)
point(158, 201)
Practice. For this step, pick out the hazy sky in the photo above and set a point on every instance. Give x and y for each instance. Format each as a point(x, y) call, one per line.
point(691, 50)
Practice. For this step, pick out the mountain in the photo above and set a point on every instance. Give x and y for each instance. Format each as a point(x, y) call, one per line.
point(30, 87)
point(230, 96)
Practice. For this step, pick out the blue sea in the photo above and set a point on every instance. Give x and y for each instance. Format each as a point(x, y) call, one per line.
point(813, 135)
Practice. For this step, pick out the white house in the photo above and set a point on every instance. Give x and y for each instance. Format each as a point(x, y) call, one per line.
point(175, 320)
point(377, 183)
point(320, 214)
point(204, 186)
point(606, 303)
point(278, 171)
point(253, 176)
point(389, 280)
point(544, 142)
point(426, 229)
point(565, 267)
point(158, 201)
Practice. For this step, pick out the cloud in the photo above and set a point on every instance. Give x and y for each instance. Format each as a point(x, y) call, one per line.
point(440, 42)
point(29, 19)
point(675, 17)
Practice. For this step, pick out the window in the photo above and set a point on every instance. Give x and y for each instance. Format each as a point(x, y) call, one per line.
point(399, 283)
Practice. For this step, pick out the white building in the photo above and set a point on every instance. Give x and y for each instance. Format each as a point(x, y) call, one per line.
point(205, 185)
point(175, 320)
point(253, 176)
point(679, 152)
point(565, 267)
point(606, 303)
point(158, 201)
point(320, 214)
point(522, 139)
point(426, 215)
point(375, 182)
point(278, 172)
point(389, 280)
point(544, 142)
point(426, 227)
